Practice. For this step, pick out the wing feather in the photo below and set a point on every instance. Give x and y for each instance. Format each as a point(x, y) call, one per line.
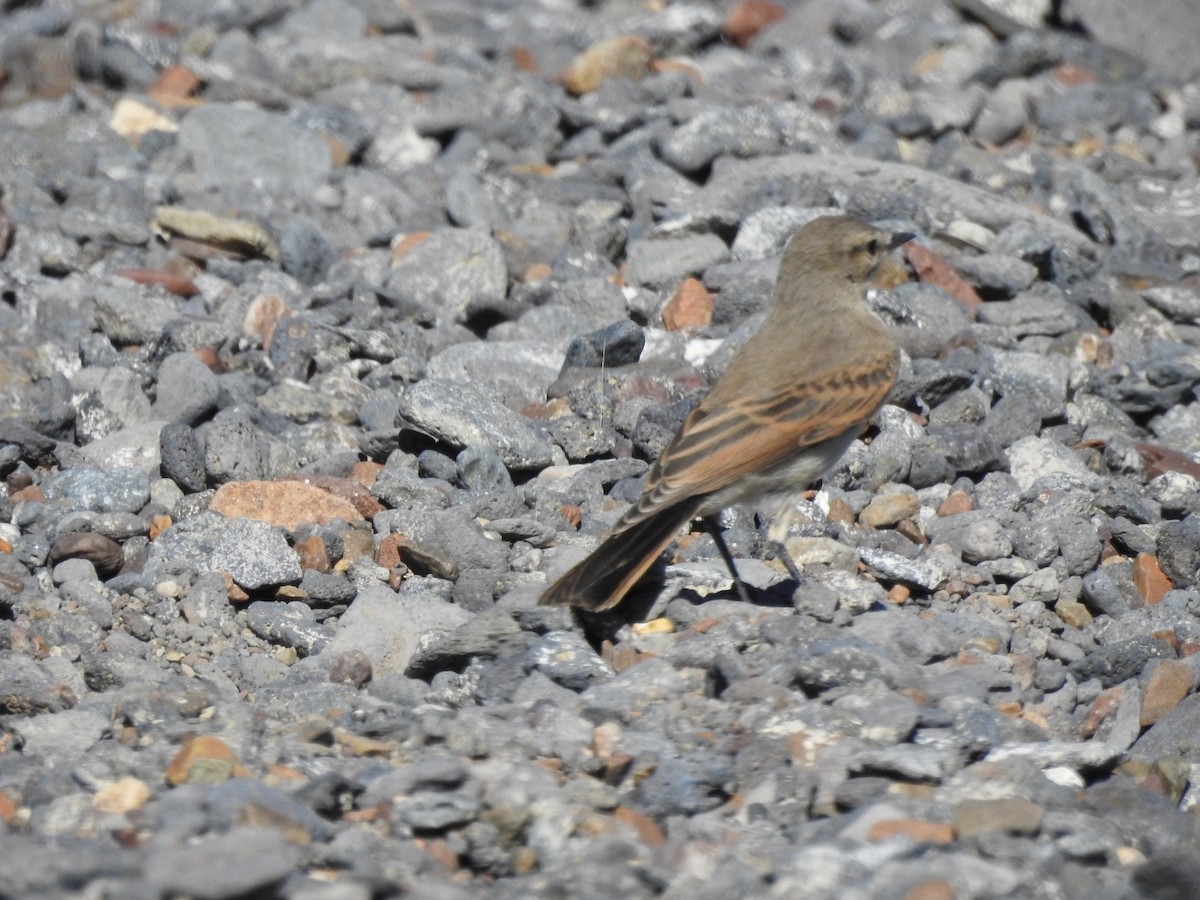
point(716, 447)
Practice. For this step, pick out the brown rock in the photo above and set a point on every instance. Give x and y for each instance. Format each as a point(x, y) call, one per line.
point(1102, 707)
point(1072, 612)
point(899, 594)
point(625, 56)
point(159, 524)
point(420, 559)
point(175, 83)
point(888, 510)
point(406, 243)
point(346, 488)
point(932, 269)
point(748, 18)
point(8, 808)
point(352, 667)
point(205, 759)
point(691, 306)
point(313, 553)
point(1149, 579)
point(102, 552)
point(29, 492)
point(536, 272)
point(1169, 683)
point(288, 504)
point(922, 831)
point(931, 890)
point(365, 472)
point(840, 512)
point(1014, 815)
point(647, 829)
point(1159, 460)
point(179, 285)
point(357, 543)
point(957, 502)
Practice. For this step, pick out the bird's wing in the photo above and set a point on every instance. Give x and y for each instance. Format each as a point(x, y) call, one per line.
point(717, 446)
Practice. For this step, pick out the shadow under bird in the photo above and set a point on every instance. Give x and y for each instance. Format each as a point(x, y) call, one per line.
point(787, 407)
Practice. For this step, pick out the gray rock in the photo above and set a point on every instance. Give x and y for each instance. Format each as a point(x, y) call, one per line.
point(61, 738)
point(662, 262)
point(234, 448)
point(1178, 548)
point(187, 389)
point(135, 446)
point(519, 370)
point(255, 555)
point(182, 458)
point(388, 627)
point(239, 862)
point(1034, 458)
point(456, 274)
point(729, 131)
point(567, 659)
point(1156, 33)
point(290, 624)
point(234, 148)
point(121, 488)
point(304, 251)
point(426, 811)
point(468, 414)
point(129, 316)
point(618, 344)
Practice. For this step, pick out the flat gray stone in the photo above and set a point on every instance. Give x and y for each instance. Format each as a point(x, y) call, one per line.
point(468, 414)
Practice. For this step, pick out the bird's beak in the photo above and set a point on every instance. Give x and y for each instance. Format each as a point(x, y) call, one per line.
point(900, 239)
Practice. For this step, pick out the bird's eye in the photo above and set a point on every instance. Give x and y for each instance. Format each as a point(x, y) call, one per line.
point(873, 246)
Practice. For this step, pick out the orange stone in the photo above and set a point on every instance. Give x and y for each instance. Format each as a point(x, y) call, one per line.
point(957, 502)
point(175, 82)
point(690, 307)
point(365, 472)
point(537, 272)
point(347, 488)
point(30, 492)
point(748, 18)
point(1149, 579)
point(1169, 683)
point(387, 554)
point(922, 831)
point(159, 524)
point(932, 269)
point(1102, 707)
point(287, 504)
point(8, 808)
point(205, 759)
point(931, 890)
point(404, 244)
point(647, 829)
point(313, 553)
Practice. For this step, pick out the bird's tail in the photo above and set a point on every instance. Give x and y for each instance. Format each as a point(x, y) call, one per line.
point(602, 580)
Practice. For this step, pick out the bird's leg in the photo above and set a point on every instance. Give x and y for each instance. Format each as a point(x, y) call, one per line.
point(777, 550)
point(775, 546)
point(709, 524)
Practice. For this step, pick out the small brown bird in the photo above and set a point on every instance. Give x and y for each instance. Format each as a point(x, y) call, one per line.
point(791, 401)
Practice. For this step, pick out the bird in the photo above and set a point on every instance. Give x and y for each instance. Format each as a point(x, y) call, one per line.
point(791, 401)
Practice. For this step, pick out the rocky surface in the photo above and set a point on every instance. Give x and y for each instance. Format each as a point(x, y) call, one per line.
point(330, 331)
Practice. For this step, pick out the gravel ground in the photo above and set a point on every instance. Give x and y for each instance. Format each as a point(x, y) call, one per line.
point(332, 330)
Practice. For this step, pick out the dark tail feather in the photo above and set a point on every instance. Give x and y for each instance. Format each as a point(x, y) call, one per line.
point(603, 579)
